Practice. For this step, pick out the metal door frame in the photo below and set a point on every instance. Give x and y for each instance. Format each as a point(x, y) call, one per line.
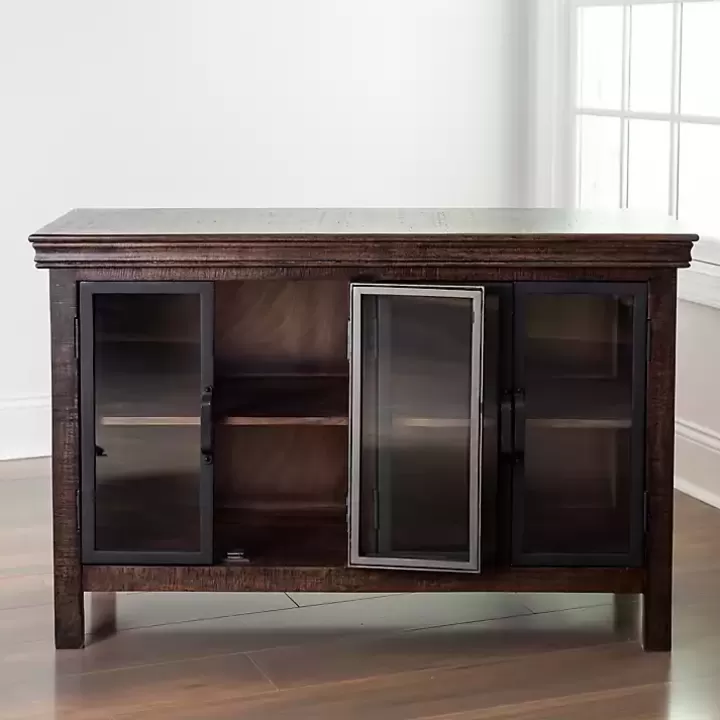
point(634, 556)
point(86, 345)
point(476, 294)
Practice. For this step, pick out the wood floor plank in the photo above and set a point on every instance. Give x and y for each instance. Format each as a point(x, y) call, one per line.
point(406, 657)
point(451, 646)
point(20, 591)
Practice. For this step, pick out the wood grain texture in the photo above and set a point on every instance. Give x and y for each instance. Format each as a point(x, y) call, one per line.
point(389, 273)
point(182, 223)
point(317, 238)
point(278, 466)
point(220, 578)
point(660, 442)
point(68, 591)
point(281, 326)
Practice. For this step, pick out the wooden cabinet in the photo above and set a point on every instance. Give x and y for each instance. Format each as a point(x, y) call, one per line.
point(377, 400)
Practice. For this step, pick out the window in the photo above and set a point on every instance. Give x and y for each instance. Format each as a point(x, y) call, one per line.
point(646, 107)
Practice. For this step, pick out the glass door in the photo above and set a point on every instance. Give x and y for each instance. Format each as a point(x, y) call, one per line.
point(146, 369)
point(579, 424)
point(416, 410)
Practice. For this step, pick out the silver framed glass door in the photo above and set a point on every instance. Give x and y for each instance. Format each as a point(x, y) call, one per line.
point(416, 362)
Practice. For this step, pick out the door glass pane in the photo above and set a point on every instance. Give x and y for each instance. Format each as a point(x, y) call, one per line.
point(700, 178)
point(415, 425)
point(651, 57)
point(599, 162)
point(600, 52)
point(147, 425)
point(649, 166)
point(700, 59)
point(578, 417)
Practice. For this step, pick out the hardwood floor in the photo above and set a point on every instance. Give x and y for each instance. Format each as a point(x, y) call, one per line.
point(274, 656)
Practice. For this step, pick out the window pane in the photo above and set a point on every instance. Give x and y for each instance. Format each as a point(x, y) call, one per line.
point(599, 162)
point(649, 165)
point(651, 57)
point(700, 177)
point(701, 58)
point(600, 42)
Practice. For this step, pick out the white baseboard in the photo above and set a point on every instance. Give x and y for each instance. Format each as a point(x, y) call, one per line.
point(697, 462)
point(25, 427)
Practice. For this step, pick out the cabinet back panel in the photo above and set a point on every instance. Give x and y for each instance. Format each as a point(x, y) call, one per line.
point(285, 469)
point(276, 326)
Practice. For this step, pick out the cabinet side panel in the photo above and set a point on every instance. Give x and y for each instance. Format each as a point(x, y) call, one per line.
point(69, 617)
point(657, 601)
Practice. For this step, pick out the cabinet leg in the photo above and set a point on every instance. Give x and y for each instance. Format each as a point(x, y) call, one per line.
point(69, 618)
point(657, 621)
point(660, 440)
point(626, 615)
point(103, 614)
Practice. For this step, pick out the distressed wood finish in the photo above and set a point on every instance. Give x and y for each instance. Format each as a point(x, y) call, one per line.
point(270, 326)
point(331, 579)
point(68, 589)
point(468, 273)
point(366, 238)
point(327, 249)
point(657, 594)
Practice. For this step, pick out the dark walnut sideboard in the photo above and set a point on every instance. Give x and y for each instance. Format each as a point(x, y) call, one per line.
point(361, 400)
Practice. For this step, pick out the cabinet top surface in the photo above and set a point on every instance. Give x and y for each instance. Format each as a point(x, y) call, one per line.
point(306, 239)
point(499, 224)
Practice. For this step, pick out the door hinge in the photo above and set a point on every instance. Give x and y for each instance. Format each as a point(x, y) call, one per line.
point(77, 510)
point(76, 338)
point(648, 339)
point(349, 339)
point(645, 512)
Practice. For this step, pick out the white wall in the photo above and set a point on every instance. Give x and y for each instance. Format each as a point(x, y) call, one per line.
point(697, 446)
point(238, 103)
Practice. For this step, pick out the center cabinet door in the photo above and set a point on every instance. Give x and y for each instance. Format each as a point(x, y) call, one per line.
point(416, 421)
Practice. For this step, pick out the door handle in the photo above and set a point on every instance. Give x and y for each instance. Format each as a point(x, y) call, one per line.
point(206, 425)
point(506, 429)
point(519, 428)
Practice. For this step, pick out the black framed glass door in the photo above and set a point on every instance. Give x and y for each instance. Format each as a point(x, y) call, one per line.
point(146, 372)
point(579, 424)
point(416, 419)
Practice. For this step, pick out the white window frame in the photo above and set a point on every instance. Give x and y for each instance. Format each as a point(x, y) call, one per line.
point(555, 137)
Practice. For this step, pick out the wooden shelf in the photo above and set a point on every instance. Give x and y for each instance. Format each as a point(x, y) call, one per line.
point(242, 401)
point(283, 400)
point(579, 404)
point(149, 421)
point(274, 539)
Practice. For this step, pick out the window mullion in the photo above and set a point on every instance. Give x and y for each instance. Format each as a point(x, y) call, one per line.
point(624, 123)
point(676, 90)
